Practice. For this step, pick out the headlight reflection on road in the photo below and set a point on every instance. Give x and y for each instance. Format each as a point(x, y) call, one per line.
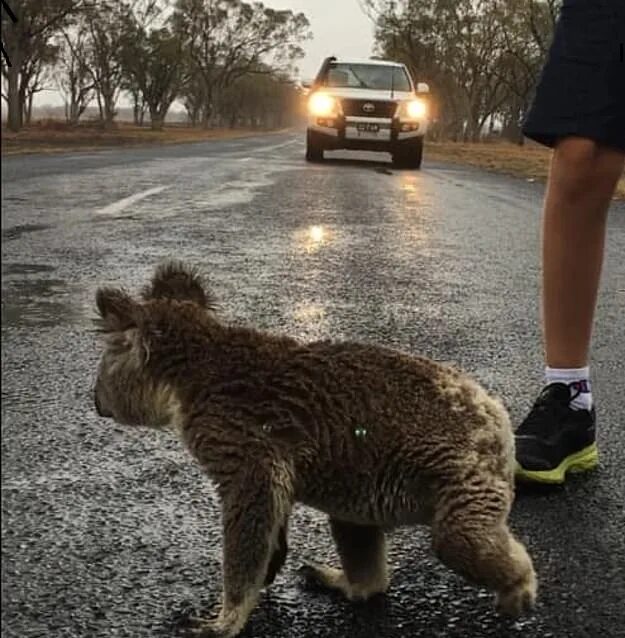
point(317, 233)
point(310, 318)
point(313, 238)
point(413, 215)
point(309, 312)
point(409, 184)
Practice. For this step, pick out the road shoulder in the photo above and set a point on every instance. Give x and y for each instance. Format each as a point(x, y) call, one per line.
point(57, 138)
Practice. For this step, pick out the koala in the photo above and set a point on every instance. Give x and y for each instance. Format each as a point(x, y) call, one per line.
point(373, 437)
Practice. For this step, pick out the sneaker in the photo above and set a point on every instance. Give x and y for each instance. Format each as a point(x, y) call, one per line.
point(555, 439)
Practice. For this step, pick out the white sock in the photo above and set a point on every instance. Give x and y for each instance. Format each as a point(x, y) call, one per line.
point(578, 381)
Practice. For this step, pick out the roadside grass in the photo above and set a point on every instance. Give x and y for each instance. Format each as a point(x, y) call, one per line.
point(530, 160)
point(54, 136)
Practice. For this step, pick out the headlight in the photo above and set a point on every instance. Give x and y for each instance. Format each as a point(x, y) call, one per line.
point(416, 109)
point(321, 105)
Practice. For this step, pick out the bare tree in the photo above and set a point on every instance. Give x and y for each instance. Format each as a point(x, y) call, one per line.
point(481, 57)
point(73, 76)
point(154, 63)
point(109, 24)
point(36, 77)
point(226, 39)
point(267, 100)
point(28, 45)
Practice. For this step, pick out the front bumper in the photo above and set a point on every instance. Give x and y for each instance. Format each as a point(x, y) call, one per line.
point(350, 133)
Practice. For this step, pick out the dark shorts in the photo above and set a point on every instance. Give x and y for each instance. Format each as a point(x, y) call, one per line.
point(581, 91)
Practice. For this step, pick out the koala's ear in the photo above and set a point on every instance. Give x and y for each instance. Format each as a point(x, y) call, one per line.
point(117, 310)
point(174, 280)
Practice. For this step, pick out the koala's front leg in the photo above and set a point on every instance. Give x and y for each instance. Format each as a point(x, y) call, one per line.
point(255, 510)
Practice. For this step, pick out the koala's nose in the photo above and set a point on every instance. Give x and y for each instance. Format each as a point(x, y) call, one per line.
point(98, 407)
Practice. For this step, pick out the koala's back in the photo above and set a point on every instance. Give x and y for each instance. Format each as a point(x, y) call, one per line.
point(390, 393)
point(387, 429)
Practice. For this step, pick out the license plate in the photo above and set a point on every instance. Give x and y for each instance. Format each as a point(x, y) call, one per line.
point(367, 127)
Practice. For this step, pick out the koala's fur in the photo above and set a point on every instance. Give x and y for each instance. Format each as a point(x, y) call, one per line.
point(373, 437)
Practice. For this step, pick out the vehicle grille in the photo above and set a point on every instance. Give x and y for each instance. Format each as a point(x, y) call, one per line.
point(355, 108)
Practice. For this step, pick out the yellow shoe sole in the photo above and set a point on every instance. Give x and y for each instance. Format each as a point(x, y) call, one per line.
point(582, 461)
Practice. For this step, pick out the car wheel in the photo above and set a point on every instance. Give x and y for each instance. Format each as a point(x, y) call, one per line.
point(314, 151)
point(410, 157)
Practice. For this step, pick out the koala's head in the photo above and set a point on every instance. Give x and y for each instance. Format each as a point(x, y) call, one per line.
point(126, 388)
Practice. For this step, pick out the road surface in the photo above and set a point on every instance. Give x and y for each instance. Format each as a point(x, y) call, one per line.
point(114, 532)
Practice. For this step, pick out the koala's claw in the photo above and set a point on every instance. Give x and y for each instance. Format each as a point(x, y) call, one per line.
point(307, 570)
point(223, 626)
point(209, 629)
point(206, 628)
point(519, 600)
point(310, 573)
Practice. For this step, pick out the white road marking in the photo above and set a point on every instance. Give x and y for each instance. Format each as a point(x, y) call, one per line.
point(122, 204)
point(273, 147)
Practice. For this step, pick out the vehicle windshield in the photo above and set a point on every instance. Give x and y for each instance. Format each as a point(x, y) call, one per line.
point(367, 76)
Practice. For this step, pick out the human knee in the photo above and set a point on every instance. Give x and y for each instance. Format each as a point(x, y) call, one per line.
point(582, 162)
point(578, 151)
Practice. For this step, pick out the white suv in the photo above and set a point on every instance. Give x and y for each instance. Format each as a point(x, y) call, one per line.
point(370, 105)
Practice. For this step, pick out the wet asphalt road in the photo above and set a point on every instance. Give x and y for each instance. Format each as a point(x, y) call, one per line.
point(114, 532)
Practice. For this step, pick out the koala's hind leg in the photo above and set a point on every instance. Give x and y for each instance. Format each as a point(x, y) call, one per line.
point(278, 558)
point(255, 517)
point(362, 550)
point(474, 540)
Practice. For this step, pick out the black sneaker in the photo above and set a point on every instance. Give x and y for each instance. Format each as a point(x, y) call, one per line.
point(555, 439)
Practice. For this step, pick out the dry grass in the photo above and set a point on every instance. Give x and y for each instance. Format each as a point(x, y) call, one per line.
point(53, 136)
point(530, 161)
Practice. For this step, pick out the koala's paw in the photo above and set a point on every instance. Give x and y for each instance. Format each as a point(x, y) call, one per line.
point(519, 599)
point(220, 627)
point(317, 575)
point(330, 578)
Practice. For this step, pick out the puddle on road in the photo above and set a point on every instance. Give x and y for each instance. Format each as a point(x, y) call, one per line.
point(25, 269)
point(16, 232)
point(34, 301)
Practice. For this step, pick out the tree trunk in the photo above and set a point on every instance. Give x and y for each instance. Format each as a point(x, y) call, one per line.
point(473, 129)
point(15, 105)
point(206, 118)
point(109, 112)
point(100, 108)
point(138, 109)
point(74, 113)
point(157, 120)
point(207, 112)
point(512, 132)
point(29, 109)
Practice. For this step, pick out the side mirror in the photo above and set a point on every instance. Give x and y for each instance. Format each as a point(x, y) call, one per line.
point(422, 87)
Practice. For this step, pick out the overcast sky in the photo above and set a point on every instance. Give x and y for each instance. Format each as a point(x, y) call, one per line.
point(339, 27)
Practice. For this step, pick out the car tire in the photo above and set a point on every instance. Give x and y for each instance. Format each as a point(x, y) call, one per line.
point(314, 150)
point(410, 157)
